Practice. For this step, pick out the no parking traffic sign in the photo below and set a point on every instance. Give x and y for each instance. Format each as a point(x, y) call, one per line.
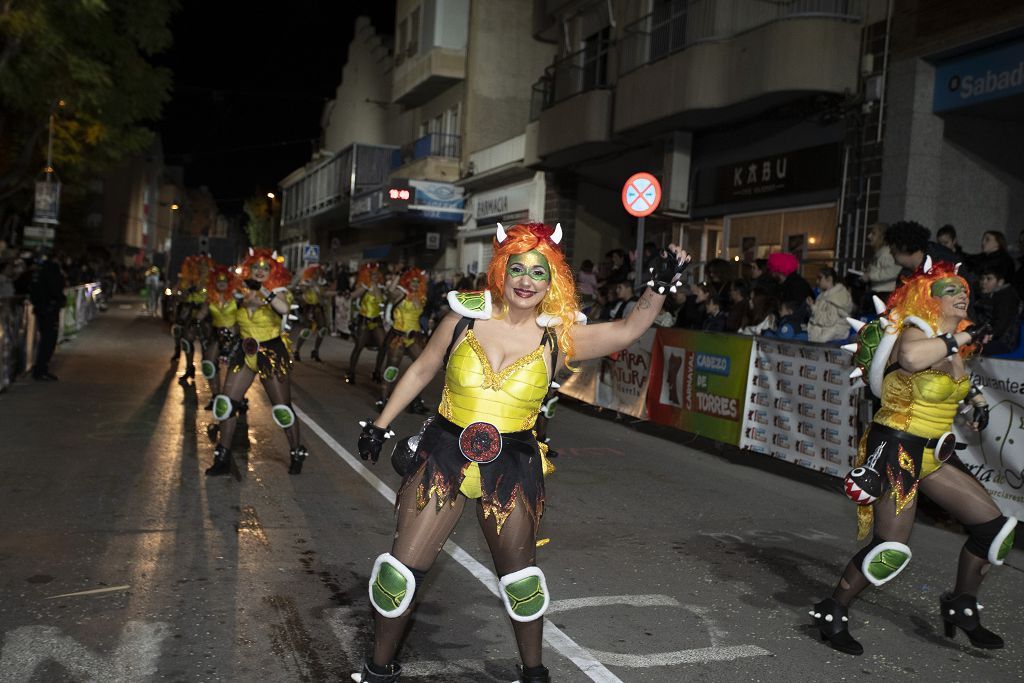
point(641, 194)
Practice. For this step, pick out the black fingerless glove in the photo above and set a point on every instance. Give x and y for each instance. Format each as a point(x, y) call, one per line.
point(254, 285)
point(979, 415)
point(978, 332)
point(371, 440)
point(667, 272)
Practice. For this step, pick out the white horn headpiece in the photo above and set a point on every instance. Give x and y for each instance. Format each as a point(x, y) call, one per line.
point(927, 267)
point(251, 252)
point(500, 235)
point(556, 236)
point(273, 255)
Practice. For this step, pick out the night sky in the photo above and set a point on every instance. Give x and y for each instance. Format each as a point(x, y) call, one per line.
point(249, 88)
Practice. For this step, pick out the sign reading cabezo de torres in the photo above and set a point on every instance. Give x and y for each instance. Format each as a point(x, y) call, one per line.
point(811, 169)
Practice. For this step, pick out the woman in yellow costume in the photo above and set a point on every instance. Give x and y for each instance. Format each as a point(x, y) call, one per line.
point(914, 359)
point(498, 349)
point(188, 329)
point(368, 301)
point(308, 289)
point(221, 307)
point(264, 311)
point(406, 336)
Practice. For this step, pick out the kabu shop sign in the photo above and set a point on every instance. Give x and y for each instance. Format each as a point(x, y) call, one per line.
point(812, 169)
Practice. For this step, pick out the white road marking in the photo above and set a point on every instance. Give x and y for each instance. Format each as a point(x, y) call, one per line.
point(562, 643)
point(94, 591)
point(134, 658)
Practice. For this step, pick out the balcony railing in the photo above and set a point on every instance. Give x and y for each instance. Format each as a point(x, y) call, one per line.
point(678, 24)
point(571, 75)
point(432, 145)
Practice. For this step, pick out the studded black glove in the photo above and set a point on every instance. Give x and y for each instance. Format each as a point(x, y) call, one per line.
point(665, 275)
point(978, 332)
point(979, 415)
point(371, 440)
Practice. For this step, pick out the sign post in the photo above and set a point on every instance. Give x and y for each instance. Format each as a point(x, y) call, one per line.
point(641, 196)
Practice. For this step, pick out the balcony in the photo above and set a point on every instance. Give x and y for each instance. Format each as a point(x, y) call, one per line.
point(420, 78)
point(697, 62)
point(435, 156)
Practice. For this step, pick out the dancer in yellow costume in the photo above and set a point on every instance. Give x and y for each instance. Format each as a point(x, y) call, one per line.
point(264, 314)
point(406, 336)
point(498, 350)
point(221, 307)
point(914, 359)
point(189, 328)
point(308, 289)
point(368, 316)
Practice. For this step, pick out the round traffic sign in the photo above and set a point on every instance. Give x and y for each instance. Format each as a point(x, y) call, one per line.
point(641, 194)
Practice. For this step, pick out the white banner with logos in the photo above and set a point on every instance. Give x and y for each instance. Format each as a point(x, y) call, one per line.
point(800, 405)
point(617, 382)
point(996, 456)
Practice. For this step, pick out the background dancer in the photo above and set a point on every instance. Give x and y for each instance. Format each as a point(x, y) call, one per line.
point(188, 328)
point(368, 314)
point(221, 307)
point(406, 336)
point(309, 292)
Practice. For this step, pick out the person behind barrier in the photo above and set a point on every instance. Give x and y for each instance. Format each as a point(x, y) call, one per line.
point(498, 349)
point(914, 358)
point(264, 314)
point(830, 310)
point(999, 306)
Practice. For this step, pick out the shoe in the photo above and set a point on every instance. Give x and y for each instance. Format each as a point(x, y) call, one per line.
point(190, 373)
point(831, 619)
point(350, 377)
point(375, 674)
point(298, 456)
point(963, 612)
point(377, 377)
point(533, 674)
point(379, 404)
point(213, 432)
point(298, 357)
point(418, 407)
point(316, 356)
point(45, 377)
point(209, 405)
point(552, 453)
point(221, 462)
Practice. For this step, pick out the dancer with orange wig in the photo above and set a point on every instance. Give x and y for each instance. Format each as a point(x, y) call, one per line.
point(914, 359)
point(368, 302)
point(188, 329)
point(499, 349)
point(406, 337)
point(221, 308)
point(308, 288)
point(264, 314)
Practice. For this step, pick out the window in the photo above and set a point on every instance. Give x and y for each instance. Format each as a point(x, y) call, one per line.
point(595, 59)
point(403, 41)
point(414, 32)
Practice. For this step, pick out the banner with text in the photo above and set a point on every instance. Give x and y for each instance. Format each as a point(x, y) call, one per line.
point(617, 382)
point(996, 456)
point(800, 405)
point(697, 382)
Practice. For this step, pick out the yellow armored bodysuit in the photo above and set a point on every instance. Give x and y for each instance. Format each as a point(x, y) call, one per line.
point(406, 314)
point(371, 307)
point(196, 297)
point(311, 296)
point(223, 313)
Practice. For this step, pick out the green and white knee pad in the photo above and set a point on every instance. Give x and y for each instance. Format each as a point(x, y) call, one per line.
point(1003, 542)
point(283, 415)
point(306, 333)
point(185, 345)
point(391, 373)
point(392, 586)
point(209, 368)
point(884, 561)
point(524, 593)
point(223, 407)
point(321, 332)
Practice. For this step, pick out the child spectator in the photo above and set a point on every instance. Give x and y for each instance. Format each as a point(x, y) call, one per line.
point(715, 318)
point(830, 310)
point(762, 313)
point(999, 306)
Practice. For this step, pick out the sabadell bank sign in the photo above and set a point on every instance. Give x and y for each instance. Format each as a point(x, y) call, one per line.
point(979, 77)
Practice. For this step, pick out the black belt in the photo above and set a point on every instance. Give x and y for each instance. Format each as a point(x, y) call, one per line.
point(481, 442)
point(910, 439)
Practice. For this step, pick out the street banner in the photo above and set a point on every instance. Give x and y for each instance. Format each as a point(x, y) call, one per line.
point(698, 380)
point(47, 204)
point(617, 382)
point(801, 406)
point(996, 456)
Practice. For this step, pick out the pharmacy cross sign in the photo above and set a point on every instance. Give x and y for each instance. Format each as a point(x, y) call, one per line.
point(641, 194)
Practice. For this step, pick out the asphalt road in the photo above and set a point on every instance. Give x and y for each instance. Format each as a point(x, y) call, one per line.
point(121, 561)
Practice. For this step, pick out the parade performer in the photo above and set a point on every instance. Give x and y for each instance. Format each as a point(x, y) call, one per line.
point(913, 357)
point(188, 328)
point(308, 288)
point(498, 350)
point(264, 311)
point(368, 316)
point(221, 307)
point(406, 336)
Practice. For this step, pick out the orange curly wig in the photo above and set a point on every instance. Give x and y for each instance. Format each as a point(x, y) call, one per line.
point(194, 270)
point(560, 300)
point(279, 275)
point(218, 272)
point(313, 272)
point(405, 282)
point(914, 298)
point(366, 273)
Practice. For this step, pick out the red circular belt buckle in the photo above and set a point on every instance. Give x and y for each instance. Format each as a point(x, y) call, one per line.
point(480, 442)
point(250, 346)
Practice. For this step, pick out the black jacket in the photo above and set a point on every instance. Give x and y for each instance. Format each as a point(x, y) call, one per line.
point(47, 291)
point(1001, 310)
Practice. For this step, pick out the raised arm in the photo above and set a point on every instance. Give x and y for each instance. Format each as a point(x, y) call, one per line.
point(917, 351)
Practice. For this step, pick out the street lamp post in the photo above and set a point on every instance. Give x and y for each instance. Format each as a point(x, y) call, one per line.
point(270, 217)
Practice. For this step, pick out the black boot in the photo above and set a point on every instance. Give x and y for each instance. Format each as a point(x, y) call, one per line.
point(298, 456)
point(533, 674)
point(379, 404)
point(316, 356)
point(209, 404)
point(298, 357)
point(213, 432)
point(831, 619)
point(221, 462)
point(350, 377)
point(962, 611)
point(190, 373)
point(375, 674)
point(418, 407)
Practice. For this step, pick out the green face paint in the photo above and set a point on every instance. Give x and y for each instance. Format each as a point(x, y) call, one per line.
point(948, 287)
point(532, 264)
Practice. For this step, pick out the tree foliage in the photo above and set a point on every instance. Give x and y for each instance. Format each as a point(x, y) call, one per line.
point(258, 225)
point(87, 61)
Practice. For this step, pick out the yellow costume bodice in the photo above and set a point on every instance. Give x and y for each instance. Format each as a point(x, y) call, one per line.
point(197, 297)
point(370, 305)
point(311, 295)
point(407, 315)
point(261, 324)
point(923, 403)
point(510, 400)
point(223, 313)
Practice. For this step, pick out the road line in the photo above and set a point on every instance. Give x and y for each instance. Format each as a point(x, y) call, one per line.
point(554, 637)
point(94, 591)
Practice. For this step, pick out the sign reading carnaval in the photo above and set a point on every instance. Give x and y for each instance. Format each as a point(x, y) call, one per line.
point(996, 456)
point(800, 405)
point(697, 382)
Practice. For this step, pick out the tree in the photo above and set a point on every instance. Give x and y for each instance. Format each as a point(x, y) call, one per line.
point(87, 62)
point(258, 226)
